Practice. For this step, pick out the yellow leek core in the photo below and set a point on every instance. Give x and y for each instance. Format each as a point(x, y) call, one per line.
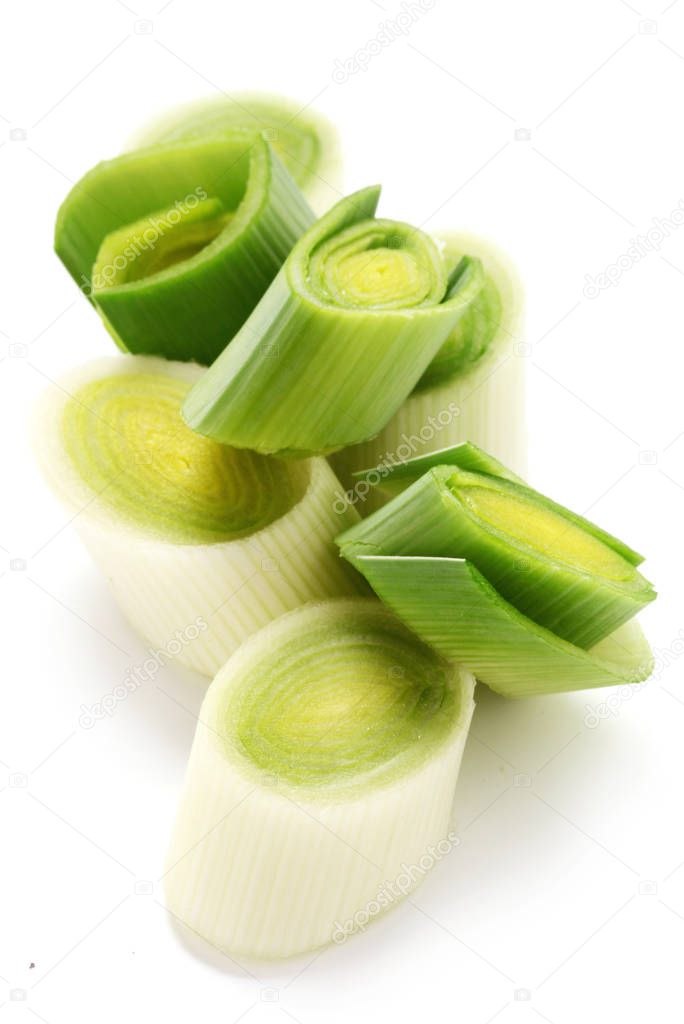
point(545, 531)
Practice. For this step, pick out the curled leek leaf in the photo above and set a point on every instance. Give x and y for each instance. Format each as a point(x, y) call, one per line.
point(306, 142)
point(340, 339)
point(175, 244)
point(323, 771)
point(473, 390)
point(190, 533)
point(507, 582)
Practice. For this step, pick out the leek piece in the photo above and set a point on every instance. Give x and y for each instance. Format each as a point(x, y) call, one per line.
point(475, 564)
point(540, 559)
point(176, 244)
point(473, 390)
point(323, 770)
point(188, 531)
point(342, 336)
point(305, 141)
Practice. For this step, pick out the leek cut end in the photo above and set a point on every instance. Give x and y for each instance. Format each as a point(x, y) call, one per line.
point(126, 440)
point(341, 694)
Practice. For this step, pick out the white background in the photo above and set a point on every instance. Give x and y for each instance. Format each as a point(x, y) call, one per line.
point(565, 899)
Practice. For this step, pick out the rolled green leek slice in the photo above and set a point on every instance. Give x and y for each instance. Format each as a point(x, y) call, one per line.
point(476, 564)
point(473, 390)
point(175, 244)
point(305, 141)
point(340, 339)
point(203, 544)
point(320, 782)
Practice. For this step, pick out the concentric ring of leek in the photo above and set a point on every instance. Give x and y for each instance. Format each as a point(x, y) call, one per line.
point(127, 441)
point(376, 265)
point(304, 140)
point(335, 695)
point(339, 340)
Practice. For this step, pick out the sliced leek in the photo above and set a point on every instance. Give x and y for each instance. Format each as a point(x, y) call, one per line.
point(505, 581)
point(175, 244)
point(323, 770)
point(473, 390)
point(190, 533)
point(342, 336)
point(305, 141)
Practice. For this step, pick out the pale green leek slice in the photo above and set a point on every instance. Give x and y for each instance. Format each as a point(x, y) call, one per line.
point(305, 141)
point(175, 244)
point(191, 534)
point(473, 390)
point(324, 764)
point(339, 340)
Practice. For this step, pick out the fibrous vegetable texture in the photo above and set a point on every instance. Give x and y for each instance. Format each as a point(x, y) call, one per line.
point(190, 533)
point(323, 768)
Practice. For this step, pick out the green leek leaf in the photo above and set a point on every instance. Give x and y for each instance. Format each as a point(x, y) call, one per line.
point(176, 244)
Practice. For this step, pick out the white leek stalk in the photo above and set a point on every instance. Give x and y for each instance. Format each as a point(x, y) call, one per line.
point(323, 769)
point(474, 390)
point(203, 545)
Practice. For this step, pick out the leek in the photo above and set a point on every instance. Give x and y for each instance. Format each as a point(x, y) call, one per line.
point(524, 593)
point(351, 322)
point(175, 244)
point(473, 390)
point(186, 530)
point(306, 142)
point(323, 769)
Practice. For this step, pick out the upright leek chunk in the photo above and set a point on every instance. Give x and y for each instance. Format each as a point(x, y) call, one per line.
point(473, 389)
point(175, 244)
point(342, 336)
point(323, 770)
point(188, 531)
point(304, 140)
point(505, 581)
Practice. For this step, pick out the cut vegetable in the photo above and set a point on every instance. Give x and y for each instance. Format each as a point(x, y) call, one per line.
point(343, 334)
point(473, 390)
point(476, 564)
point(176, 244)
point(305, 141)
point(190, 533)
point(320, 781)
